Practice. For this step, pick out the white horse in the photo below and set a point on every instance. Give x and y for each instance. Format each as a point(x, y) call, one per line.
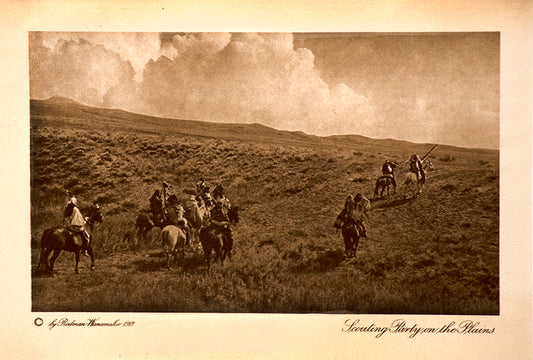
point(411, 181)
point(173, 239)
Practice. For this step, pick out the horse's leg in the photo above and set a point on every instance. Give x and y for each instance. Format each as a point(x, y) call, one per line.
point(182, 257)
point(53, 259)
point(223, 251)
point(223, 254)
point(347, 243)
point(141, 232)
point(355, 244)
point(207, 257)
point(91, 254)
point(77, 253)
point(168, 259)
point(419, 189)
point(44, 259)
point(175, 255)
point(41, 259)
point(404, 186)
point(196, 239)
point(230, 247)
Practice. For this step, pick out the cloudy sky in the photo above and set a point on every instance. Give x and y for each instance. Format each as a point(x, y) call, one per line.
point(439, 88)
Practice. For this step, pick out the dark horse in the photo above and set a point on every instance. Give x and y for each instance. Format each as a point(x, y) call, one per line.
point(233, 215)
point(351, 237)
point(383, 183)
point(144, 223)
point(212, 237)
point(94, 216)
point(59, 239)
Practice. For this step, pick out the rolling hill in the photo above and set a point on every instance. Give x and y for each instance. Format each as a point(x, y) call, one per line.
point(437, 254)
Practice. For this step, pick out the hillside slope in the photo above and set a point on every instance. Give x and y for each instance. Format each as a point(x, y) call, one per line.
point(437, 254)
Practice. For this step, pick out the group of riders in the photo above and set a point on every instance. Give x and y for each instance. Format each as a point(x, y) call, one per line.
point(167, 209)
point(355, 211)
point(415, 167)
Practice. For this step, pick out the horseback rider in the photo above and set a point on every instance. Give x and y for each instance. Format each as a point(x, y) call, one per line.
point(192, 211)
point(201, 187)
point(219, 217)
point(415, 166)
point(224, 201)
point(71, 198)
point(155, 206)
point(387, 169)
point(175, 216)
point(190, 203)
point(76, 223)
point(355, 210)
point(218, 192)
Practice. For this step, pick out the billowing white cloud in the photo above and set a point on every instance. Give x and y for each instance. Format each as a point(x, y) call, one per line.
point(247, 78)
point(80, 70)
point(137, 48)
point(222, 77)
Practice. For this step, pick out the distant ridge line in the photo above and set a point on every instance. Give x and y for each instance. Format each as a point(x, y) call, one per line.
point(204, 128)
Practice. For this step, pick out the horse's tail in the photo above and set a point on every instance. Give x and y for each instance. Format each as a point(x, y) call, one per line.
point(44, 243)
point(44, 238)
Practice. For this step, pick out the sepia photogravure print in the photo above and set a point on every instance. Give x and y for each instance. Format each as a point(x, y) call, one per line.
point(359, 173)
point(265, 172)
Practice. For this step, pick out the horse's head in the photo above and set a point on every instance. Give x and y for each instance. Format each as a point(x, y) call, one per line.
point(173, 200)
point(95, 214)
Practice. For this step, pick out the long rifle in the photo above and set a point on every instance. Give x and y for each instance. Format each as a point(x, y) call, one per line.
point(424, 157)
point(429, 152)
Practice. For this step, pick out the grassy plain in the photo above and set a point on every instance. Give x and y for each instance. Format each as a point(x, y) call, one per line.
point(438, 254)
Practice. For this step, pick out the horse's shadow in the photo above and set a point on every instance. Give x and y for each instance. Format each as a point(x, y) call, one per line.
point(40, 273)
point(156, 262)
point(394, 203)
point(326, 260)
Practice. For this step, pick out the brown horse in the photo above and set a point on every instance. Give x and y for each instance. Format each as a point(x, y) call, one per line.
point(144, 223)
point(212, 237)
point(58, 238)
point(173, 238)
point(233, 215)
point(351, 237)
point(383, 183)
